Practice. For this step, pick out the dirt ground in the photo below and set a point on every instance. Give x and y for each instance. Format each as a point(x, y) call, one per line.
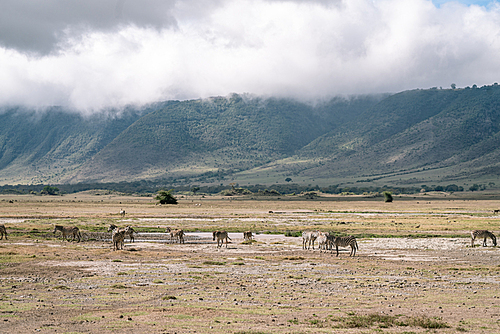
point(393, 284)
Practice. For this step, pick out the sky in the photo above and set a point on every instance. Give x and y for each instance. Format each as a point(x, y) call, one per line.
point(91, 55)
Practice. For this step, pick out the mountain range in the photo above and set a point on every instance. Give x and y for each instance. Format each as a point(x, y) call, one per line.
point(415, 137)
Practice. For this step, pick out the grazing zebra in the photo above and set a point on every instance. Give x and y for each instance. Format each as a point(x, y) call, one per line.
point(67, 230)
point(122, 213)
point(176, 234)
point(308, 238)
point(247, 235)
point(118, 236)
point(345, 242)
point(482, 234)
point(3, 231)
point(221, 235)
point(130, 232)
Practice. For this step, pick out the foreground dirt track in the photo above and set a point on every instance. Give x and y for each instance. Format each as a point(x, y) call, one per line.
point(398, 284)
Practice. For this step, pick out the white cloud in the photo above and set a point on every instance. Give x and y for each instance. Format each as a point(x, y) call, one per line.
point(288, 48)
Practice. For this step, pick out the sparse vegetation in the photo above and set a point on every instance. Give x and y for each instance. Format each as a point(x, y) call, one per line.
point(272, 285)
point(386, 321)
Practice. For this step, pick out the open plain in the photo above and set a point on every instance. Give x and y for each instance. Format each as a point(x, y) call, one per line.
point(415, 270)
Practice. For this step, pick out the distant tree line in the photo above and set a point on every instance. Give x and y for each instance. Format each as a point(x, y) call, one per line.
point(147, 188)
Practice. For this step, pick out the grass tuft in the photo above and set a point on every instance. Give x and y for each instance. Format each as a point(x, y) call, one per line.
point(169, 298)
point(426, 322)
point(214, 263)
point(385, 321)
point(61, 287)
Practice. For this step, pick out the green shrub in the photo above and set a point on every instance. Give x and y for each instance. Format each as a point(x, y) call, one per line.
point(387, 196)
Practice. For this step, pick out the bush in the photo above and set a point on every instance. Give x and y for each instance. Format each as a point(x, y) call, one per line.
point(387, 196)
point(48, 190)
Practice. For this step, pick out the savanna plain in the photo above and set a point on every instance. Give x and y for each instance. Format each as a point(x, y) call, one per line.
point(414, 272)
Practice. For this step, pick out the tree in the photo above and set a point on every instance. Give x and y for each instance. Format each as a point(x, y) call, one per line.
point(451, 188)
point(288, 179)
point(474, 187)
point(48, 190)
point(453, 86)
point(195, 189)
point(387, 196)
point(165, 197)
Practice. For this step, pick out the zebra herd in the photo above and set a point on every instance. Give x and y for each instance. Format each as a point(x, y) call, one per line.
point(326, 241)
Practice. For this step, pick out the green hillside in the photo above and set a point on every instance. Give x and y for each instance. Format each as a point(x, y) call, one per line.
point(414, 137)
point(46, 145)
point(217, 135)
point(453, 130)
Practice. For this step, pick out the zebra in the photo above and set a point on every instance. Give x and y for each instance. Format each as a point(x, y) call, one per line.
point(130, 232)
point(3, 231)
point(309, 237)
point(67, 230)
point(122, 212)
point(345, 242)
point(482, 234)
point(118, 237)
point(221, 235)
point(323, 241)
point(247, 235)
point(176, 234)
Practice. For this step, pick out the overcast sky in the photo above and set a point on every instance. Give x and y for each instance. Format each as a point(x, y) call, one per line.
point(94, 54)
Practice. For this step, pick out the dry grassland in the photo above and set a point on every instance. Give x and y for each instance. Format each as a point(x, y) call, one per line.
point(415, 271)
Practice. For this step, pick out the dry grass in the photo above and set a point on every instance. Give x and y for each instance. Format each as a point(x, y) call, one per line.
point(397, 285)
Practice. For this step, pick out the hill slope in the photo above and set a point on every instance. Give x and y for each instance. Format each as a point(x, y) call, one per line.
point(44, 146)
point(453, 130)
point(217, 135)
point(413, 137)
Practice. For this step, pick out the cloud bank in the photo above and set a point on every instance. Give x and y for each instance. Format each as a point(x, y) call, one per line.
point(99, 54)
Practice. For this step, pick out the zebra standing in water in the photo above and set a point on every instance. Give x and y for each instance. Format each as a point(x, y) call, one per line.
point(175, 234)
point(345, 242)
point(247, 235)
point(482, 234)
